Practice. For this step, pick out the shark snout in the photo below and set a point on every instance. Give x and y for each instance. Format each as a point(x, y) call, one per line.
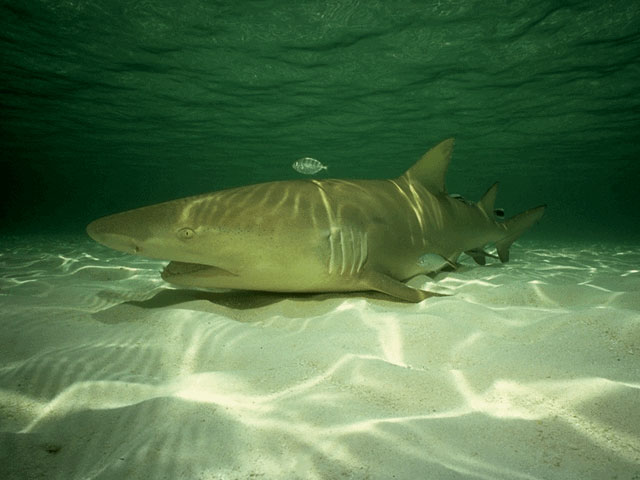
point(103, 232)
point(95, 230)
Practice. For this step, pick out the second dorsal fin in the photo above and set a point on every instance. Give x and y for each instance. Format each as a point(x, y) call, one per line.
point(488, 200)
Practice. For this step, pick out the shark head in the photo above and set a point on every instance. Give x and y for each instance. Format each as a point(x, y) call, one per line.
point(148, 231)
point(172, 230)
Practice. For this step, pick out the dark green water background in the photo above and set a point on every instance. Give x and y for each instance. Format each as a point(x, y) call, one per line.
point(112, 104)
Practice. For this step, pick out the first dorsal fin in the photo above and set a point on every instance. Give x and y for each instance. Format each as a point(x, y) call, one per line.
point(431, 169)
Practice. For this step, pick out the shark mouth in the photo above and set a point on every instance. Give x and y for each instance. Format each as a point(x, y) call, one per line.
point(182, 269)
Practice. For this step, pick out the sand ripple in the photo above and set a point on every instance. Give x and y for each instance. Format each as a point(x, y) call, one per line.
point(528, 371)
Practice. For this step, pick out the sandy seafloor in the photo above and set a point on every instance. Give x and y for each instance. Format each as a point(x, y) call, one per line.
point(530, 370)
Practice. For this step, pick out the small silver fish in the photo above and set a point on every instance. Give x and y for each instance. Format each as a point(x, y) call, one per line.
point(432, 262)
point(457, 196)
point(308, 165)
point(498, 212)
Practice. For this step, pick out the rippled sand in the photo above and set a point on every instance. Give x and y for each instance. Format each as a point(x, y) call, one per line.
point(530, 370)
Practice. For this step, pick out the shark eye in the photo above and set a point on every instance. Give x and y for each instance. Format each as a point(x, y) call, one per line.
point(186, 233)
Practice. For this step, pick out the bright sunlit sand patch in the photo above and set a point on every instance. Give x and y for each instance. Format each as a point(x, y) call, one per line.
point(528, 370)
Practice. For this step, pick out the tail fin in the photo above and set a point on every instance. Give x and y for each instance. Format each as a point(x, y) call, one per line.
point(515, 227)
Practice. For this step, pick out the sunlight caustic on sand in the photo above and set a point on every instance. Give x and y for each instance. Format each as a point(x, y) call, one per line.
point(121, 376)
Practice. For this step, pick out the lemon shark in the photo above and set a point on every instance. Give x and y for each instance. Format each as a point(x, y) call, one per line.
point(325, 235)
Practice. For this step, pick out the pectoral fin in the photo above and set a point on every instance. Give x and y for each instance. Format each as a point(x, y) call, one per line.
point(385, 284)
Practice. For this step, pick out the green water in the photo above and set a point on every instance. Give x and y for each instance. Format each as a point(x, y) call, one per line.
point(111, 104)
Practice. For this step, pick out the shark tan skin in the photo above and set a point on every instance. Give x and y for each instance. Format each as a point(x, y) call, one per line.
point(317, 235)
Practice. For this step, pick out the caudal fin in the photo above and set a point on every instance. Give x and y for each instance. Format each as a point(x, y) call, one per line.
point(515, 227)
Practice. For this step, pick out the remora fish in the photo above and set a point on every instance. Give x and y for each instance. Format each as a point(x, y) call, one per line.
point(317, 235)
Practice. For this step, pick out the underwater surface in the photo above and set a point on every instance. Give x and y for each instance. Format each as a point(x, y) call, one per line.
point(526, 370)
